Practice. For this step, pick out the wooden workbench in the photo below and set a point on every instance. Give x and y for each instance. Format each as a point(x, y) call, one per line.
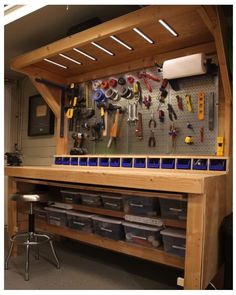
point(206, 209)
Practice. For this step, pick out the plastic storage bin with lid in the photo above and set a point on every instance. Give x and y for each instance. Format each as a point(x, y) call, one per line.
point(108, 227)
point(112, 202)
point(141, 206)
point(80, 221)
point(40, 213)
point(91, 199)
point(70, 196)
point(173, 209)
point(144, 235)
point(174, 241)
point(56, 216)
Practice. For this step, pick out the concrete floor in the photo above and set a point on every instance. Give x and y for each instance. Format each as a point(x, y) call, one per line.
point(85, 267)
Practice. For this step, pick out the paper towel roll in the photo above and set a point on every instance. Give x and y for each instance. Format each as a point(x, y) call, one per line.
point(185, 66)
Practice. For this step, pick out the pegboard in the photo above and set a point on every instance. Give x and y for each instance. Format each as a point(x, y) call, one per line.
point(128, 143)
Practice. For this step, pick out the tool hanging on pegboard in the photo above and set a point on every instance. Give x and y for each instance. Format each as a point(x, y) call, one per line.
point(173, 132)
point(189, 103)
point(171, 111)
point(201, 98)
point(139, 127)
point(179, 102)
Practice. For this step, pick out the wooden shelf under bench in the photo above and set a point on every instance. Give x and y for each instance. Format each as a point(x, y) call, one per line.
point(151, 254)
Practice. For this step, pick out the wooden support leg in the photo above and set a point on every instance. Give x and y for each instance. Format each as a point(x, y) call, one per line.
point(12, 211)
point(194, 242)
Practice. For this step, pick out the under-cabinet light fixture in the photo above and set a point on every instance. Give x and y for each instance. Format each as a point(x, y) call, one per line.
point(161, 21)
point(143, 35)
point(55, 63)
point(121, 42)
point(85, 54)
point(102, 48)
point(71, 59)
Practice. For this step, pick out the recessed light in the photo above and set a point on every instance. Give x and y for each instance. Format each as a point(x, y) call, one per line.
point(69, 58)
point(143, 35)
point(161, 21)
point(55, 63)
point(102, 48)
point(85, 54)
point(121, 42)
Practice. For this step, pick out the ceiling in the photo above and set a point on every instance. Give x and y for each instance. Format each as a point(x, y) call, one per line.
point(49, 24)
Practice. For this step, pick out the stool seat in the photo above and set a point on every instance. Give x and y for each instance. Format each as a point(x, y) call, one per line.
point(31, 197)
point(31, 238)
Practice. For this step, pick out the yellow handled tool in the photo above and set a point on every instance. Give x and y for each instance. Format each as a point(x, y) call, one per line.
point(189, 103)
point(220, 146)
point(114, 128)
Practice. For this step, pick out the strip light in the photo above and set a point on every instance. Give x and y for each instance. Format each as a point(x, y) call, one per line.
point(143, 35)
point(55, 63)
point(85, 54)
point(161, 21)
point(121, 42)
point(71, 59)
point(102, 48)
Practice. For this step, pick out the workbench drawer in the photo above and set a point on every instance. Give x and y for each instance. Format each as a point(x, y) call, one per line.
point(144, 235)
point(56, 216)
point(80, 221)
point(112, 202)
point(108, 227)
point(173, 209)
point(141, 206)
point(174, 241)
point(71, 196)
point(90, 199)
point(40, 214)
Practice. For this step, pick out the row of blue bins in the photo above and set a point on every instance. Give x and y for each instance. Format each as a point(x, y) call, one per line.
point(164, 163)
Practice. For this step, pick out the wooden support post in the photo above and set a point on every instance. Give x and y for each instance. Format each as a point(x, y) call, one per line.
point(194, 242)
point(12, 210)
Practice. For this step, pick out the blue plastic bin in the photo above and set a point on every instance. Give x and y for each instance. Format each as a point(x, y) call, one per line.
point(104, 162)
point(168, 163)
point(115, 162)
point(66, 161)
point(74, 161)
point(183, 164)
point(200, 164)
point(127, 162)
point(83, 161)
point(93, 161)
point(58, 160)
point(153, 163)
point(217, 165)
point(140, 163)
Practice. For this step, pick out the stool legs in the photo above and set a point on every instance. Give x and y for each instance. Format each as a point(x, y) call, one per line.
point(54, 253)
point(27, 261)
point(9, 254)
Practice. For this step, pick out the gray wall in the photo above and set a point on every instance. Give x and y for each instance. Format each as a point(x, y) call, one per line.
point(37, 150)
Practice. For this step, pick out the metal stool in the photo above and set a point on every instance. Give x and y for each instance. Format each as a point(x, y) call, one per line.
point(32, 238)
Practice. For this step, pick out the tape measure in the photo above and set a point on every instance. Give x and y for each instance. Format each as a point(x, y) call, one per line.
point(189, 103)
point(201, 98)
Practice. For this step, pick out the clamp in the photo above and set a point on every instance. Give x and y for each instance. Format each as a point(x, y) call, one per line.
point(147, 101)
point(171, 112)
point(151, 140)
point(152, 121)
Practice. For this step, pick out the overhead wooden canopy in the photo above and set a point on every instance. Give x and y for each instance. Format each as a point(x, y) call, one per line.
point(199, 29)
point(185, 20)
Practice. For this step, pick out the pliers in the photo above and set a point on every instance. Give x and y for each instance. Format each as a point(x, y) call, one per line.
point(171, 112)
point(152, 140)
point(152, 121)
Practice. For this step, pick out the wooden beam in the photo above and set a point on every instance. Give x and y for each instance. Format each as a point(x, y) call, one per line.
point(194, 242)
point(206, 19)
point(144, 62)
point(37, 72)
point(144, 16)
point(48, 96)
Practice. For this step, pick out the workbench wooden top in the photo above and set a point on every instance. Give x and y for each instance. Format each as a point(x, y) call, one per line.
point(175, 181)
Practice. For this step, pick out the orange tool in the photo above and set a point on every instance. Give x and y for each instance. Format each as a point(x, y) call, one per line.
point(114, 128)
point(201, 97)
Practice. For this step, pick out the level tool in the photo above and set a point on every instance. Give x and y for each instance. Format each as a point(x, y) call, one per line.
point(201, 99)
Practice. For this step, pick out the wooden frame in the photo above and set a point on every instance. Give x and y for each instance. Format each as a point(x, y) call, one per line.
point(203, 19)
